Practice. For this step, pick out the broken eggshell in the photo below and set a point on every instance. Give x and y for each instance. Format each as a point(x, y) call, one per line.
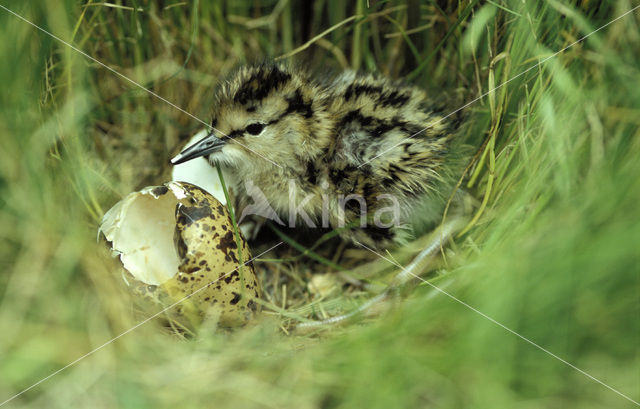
point(177, 241)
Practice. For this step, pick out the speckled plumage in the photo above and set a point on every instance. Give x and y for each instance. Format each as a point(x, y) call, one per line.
point(326, 135)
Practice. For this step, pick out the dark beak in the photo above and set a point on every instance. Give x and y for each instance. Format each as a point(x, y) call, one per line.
point(203, 147)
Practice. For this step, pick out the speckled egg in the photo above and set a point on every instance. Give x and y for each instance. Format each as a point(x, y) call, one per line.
point(177, 245)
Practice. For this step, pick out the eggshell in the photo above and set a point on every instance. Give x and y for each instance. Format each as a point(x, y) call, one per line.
point(177, 245)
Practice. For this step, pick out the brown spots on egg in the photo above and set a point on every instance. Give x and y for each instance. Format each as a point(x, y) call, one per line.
point(215, 258)
point(159, 191)
point(235, 299)
point(186, 215)
point(210, 280)
point(227, 244)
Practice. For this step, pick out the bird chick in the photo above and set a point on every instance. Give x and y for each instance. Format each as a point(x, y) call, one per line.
point(359, 153)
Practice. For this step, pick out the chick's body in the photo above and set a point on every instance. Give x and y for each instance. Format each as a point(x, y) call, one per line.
point(347, 146)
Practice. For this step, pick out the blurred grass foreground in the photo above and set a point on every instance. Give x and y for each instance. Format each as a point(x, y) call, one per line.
point(553, 253)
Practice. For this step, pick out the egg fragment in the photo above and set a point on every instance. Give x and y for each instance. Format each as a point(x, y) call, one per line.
point(176, 243)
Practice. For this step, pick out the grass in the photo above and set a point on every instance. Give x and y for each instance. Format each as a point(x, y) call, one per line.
point(552, 252)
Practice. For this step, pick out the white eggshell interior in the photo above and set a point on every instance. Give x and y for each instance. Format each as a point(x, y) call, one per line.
point(198, 172)
point(140, 229)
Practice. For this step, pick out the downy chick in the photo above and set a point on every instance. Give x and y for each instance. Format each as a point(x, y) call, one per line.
point(358, 153)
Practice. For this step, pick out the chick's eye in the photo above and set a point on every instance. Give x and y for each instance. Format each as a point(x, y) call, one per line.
point(255, 129)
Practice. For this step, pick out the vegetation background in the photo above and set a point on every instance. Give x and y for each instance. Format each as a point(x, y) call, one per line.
point(552, 254)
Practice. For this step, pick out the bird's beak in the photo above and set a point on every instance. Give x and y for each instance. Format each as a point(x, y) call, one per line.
point(204, 146)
